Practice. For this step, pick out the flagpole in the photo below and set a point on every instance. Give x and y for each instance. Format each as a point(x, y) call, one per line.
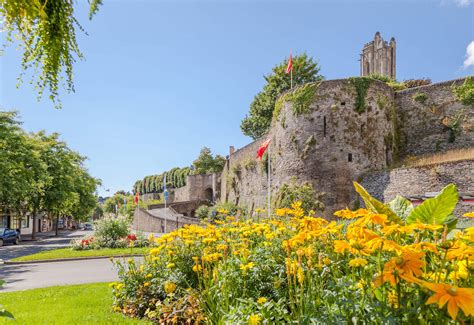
point(165, 194)
point(291, 78)
point(268, 172)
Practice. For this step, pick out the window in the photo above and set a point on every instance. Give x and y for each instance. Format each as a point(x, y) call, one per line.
point(3, 221)
point(362, 128)
point(343, 103)
point(349, 157)
point(324, 126)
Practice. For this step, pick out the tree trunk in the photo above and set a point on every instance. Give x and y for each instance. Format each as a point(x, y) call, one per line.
point(57, 225)
point(34, 230)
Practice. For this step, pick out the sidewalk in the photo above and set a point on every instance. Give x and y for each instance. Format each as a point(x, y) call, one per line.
point(39, 235)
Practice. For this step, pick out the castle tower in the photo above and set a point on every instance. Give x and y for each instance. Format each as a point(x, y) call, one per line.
point(379, 57)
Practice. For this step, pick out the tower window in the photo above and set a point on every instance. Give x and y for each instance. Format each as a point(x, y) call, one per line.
point(343, 103)
point(324, 126)
point(349, 157)
point(362, 128)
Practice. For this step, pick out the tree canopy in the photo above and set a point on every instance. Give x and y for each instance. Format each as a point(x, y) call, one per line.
point(46, 32)
point(207, 163)
point(39, 172)
point(259, 118)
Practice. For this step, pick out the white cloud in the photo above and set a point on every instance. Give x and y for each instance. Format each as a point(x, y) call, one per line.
point(463, 3)
point(469, 55)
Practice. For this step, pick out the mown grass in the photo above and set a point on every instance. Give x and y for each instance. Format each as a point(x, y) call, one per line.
point(74, 304)
point(69, 253)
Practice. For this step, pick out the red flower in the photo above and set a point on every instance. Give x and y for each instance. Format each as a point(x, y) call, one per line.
point(132, 237)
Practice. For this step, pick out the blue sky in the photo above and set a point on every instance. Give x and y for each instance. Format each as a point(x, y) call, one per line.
point(163, 79)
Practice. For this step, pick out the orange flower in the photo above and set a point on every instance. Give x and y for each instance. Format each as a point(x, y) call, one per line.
point(407, 264)
point(456, 298)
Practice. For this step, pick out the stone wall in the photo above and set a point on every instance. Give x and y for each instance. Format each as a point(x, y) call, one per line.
point(146, 221)
point(328, 147)
point(416, 181)
point(425, 113)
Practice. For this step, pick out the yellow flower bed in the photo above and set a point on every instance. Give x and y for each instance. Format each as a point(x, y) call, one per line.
point(362, 267)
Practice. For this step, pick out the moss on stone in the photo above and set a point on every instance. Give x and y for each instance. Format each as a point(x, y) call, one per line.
point(419, 97)
point(361, 85)
point(301, 99)
point(308, 145)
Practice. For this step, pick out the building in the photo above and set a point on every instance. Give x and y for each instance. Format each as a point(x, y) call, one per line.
point(379, 57)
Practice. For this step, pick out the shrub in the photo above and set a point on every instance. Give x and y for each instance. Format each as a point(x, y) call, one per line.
point(202, 212)
point(420, 97)
point(387, 264)
point(304, 193)
point(465, 92)
point(110, 231)
point(222, 210)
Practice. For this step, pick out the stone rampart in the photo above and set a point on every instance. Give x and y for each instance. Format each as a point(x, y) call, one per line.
point(416, 182)
point(428, 115)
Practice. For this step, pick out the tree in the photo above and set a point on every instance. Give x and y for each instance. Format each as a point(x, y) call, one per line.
point(259, 118)
point(207, 163)
point(46, 31)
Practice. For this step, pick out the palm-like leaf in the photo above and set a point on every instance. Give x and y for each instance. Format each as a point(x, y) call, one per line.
point(435, 211)
point(401, 206)
point(375, 205)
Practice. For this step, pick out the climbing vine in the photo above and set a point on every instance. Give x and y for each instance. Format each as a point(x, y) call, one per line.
point(361, 85)
point(300, 98)
point(465, 92)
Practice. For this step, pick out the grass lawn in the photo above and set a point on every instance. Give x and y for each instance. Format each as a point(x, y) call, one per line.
point(74, 304)
point(69, 253)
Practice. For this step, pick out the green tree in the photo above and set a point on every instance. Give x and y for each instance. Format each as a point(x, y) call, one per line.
point(46, 32)
point(258, 120)
point(207, 163)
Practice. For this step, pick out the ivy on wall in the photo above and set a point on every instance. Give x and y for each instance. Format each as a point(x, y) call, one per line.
point(361, 85)
point(301, 99)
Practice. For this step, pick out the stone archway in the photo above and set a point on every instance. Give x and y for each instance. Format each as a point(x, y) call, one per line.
point(208, 194)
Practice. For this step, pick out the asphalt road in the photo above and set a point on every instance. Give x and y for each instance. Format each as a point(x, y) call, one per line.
point(31, 247)
point(40, 275)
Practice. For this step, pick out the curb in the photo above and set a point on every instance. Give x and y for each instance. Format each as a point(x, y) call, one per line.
point(68, 259)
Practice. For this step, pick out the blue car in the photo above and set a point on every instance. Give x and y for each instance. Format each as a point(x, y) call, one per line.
point(9, 236)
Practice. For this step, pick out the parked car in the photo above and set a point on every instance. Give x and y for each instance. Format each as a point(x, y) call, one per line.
point(87, 227)
point(8, 235)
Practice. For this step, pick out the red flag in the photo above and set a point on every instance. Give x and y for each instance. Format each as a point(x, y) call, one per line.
point(289, 67)
point(136, 198)
point(263, 148)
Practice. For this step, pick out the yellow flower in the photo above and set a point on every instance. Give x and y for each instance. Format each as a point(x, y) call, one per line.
point(170, 287)
point(300, 275)
point(170, 265)
point(197, 268)
point(246, 267)
point(393, 299)
point(262, 300)
point(255, 320)
point(356, 262)
point(456, 298)
point(146, 284)
point(149, 275)
point(468, 215)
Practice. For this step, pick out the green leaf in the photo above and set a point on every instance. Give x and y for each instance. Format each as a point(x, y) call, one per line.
point(435, 211)
point(5, 313)
point(401, 206)
point(451, 221)
point(375, 205)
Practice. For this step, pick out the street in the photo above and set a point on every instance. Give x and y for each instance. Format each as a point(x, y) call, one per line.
point(46, 243)
point(29, 276)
